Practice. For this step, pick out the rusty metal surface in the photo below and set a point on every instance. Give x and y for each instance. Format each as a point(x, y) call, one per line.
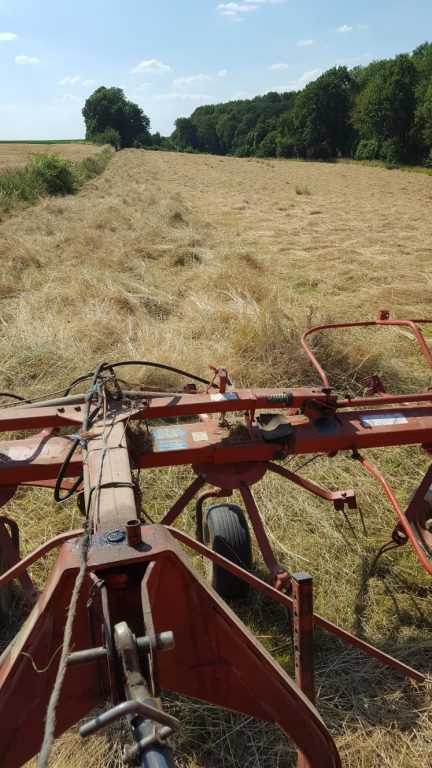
point(287, 601)
point(30, 665)
point(110, 494)
point(303, 621)
point(9, 544)
point(279, 576)
point(409, 522)
point(21, 566)
point(217, 452)
point(214, 658)
point(339, 498)
point(137, 574)
point(382, 319)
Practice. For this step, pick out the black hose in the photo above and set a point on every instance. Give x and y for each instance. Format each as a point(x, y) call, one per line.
point(15, 397)
point(62, 471)
point(161, 366)
point(88, 419)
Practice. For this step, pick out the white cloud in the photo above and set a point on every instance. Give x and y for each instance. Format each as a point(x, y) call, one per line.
point(232, 10)
point(70, 80)
point(70, 98)
point(304, 43)
point(180, 83)
point(150, 67)
point(345, 28)
point(75, 80)
point(182, 97)
point(280, 66)
point(300, 83)
point(26, 60)
point(312, 74)
point(6, 36)
point(189, 82)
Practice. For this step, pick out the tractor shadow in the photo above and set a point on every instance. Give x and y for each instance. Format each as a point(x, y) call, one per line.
point(350, 684)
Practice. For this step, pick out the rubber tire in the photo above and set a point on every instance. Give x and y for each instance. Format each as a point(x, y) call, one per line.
point(225, 531)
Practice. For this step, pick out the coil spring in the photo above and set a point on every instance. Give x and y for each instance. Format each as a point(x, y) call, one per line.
point(286, 398)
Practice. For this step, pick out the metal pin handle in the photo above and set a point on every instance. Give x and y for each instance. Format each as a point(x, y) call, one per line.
point(131, 707)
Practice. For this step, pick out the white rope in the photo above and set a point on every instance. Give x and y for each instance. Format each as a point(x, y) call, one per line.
point(50, 719)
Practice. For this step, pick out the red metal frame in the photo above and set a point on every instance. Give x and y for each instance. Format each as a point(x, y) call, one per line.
point(382, 319)
point(215, 658)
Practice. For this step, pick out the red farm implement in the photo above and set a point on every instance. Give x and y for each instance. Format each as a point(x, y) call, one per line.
point(123, 614)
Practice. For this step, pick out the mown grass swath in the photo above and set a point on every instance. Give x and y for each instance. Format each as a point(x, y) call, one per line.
point(191, 260)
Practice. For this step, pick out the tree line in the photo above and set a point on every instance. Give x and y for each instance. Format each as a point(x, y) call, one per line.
point(382, 111)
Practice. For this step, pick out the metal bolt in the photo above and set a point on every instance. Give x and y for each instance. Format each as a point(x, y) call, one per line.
point(116, 537)
point(164, 642)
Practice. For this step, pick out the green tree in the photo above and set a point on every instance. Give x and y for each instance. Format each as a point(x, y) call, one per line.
point(285, 144)
point(108, 136)
point(422, 59)
point(385, 108)
point(109, 108)
point(226, 127)
point(185, 134)
point(321, 114)
point(205, 121)
point(425, 114)
point(268, 146)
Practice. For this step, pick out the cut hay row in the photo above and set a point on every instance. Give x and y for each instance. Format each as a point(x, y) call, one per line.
point(192, 260)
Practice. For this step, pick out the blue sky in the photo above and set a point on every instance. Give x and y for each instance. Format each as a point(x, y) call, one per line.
point(171, 56)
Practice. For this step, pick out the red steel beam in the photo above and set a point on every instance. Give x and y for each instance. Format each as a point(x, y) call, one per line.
point(215, 658)
point(287, 601)
point(382, 319)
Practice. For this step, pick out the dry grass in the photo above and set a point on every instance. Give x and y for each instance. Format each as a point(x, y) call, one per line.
point(17, 154)
point(194, 260)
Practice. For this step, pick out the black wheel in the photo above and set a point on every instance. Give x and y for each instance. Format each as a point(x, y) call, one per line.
point(225, 531)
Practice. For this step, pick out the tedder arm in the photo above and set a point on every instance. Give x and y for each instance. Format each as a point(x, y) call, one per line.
point(123, 613)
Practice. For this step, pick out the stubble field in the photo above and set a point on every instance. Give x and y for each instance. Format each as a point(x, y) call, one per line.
point(12, 155)
point(194, 260)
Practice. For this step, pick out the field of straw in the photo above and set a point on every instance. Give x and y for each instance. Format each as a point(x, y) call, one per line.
point(17, 154)
point(192, 260)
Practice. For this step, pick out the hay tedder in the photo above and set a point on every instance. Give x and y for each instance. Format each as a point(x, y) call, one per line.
point(123, 613)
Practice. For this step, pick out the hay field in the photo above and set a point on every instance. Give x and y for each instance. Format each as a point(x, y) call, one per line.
point(194, 260)
point(12, 155)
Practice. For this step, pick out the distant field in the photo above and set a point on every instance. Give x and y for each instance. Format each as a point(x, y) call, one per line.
point(195, 259)
point(16, 153)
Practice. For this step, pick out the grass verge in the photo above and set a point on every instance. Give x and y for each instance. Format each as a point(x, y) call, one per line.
point(48, 175)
